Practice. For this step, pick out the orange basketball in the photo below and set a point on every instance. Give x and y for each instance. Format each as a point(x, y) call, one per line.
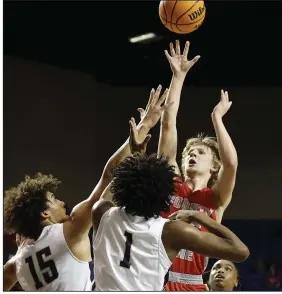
point(182, 17)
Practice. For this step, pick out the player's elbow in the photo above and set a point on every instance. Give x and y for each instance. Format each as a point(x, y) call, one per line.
point(231, 163)
point(241, 254)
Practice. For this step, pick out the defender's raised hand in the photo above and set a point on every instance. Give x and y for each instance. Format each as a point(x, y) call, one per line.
point(179, 63)
point(154, 108)
point(223, 106)
point(136, 145)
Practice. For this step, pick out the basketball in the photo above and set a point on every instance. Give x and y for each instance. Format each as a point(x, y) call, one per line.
point(182, 17)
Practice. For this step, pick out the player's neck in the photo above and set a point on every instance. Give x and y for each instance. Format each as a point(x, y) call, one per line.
point(197, 182)
point(47, 222)
point(43, 224)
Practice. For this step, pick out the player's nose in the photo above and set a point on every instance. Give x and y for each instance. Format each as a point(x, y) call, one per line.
point(221, 271)
point(193, 154)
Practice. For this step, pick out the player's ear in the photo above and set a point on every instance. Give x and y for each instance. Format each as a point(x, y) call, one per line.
point(213, 170)
point(45, 214)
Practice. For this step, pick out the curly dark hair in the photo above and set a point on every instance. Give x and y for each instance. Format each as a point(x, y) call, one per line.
point(143, 185)
point(24, 203)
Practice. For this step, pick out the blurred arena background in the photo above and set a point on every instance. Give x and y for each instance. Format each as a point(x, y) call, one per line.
point(72, 80)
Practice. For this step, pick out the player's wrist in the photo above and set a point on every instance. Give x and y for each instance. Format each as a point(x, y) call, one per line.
point(216, 116)
point(145, 124)
point(179, 77)
point(198, 217)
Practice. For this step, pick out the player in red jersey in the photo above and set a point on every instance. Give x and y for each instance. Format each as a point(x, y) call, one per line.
point(209, 170)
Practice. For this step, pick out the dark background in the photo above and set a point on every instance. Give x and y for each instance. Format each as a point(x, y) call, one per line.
point(239, 41)
point(72, 80)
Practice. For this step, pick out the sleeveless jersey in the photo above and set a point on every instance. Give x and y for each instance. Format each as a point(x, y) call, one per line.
point(128, 253)
point(188, 267)
point(48, 264)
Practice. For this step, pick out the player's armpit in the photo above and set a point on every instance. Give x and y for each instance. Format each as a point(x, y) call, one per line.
point(9, 276)
point(185, 236)
point(98, 210)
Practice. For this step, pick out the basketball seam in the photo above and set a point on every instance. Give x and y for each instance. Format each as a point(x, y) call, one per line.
point(182, 24)
point(165, 13)
point(172, 14)
point(186, 25)
point(185, 13)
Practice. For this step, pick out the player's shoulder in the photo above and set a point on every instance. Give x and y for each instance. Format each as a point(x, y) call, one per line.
point(10, 266)
point(11, 262)
point(179, 185)
point(50, 230)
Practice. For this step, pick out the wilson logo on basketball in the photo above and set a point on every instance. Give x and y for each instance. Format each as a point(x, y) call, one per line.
point(197, 13)
point(182, 16)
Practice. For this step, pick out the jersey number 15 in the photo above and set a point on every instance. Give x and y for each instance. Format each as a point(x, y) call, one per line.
point(43, 265)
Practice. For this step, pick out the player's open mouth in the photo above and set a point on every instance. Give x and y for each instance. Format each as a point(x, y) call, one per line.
point(219, 277)
point(191, 161)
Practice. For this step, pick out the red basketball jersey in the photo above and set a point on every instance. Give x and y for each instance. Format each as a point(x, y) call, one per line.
point(188, 267)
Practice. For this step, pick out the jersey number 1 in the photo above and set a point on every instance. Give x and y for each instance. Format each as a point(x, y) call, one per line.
point(49, 264)
point(126, 259)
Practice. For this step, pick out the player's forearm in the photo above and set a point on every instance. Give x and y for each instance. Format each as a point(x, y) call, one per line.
point(227, 151)
point(82, 211)
point(169, 115)
point(124, 151)
point(116, 158)
point(220, 231)
point(168, 132)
